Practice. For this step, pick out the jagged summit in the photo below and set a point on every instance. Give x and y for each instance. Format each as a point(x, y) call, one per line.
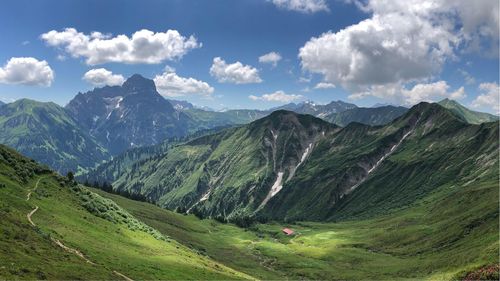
point(138, 83)
point(126, 116)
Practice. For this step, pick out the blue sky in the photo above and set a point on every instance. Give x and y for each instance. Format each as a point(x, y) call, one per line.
point(363, 59)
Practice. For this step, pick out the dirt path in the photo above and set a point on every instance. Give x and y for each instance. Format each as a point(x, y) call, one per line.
point(36, 186)
point(30, 214)
point(59, 243)
point(71, 250)
point(122, 276)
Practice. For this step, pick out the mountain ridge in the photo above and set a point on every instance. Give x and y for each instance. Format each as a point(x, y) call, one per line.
point(266, 162)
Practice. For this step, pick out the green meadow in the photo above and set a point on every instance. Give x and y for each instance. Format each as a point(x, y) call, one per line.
point(452, 231)
point(107, 235)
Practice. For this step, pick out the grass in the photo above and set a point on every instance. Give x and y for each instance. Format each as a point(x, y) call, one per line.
point(440, 237)
point(135, 251)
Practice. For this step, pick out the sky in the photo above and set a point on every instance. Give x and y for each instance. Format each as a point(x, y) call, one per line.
point(255, 53)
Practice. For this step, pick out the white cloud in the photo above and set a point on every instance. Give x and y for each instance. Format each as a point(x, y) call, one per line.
point(234, 73)
point(398, 94)
point(403, 41)
point(143, 46)
point(102, 77)
point(169, 84)
point(26, 71)
point(302, 6)
point(324, 85)
point(489, 98)
point(469, 80)
point(272, 58)
point(278, 96)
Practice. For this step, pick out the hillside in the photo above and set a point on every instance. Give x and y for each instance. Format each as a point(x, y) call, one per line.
point(290, 166)
point(47, 133)
point(470, 116)
point(125, 162)
point(53, 229)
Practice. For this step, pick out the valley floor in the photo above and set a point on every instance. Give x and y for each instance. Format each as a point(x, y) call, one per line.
point(441, 237)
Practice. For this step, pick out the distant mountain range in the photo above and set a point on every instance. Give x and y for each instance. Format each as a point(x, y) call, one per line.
point(294, 166)
point(318, 110)
point(107, 121)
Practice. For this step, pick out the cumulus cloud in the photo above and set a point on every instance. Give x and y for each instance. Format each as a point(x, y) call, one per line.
point(234, 73)
point(272, 58)
point(143, 46)
point(302, 6)
point(403, 41)
point(26, 71)
point(489, 97)
point(398, 94)
point(278, 96)
point(102, 77)
point(324, 85)
point(169, 84)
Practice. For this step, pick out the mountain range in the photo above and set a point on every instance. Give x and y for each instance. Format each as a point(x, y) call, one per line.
point(114, 119)
point(290, 166)
point(407, 195)
point(369, 193)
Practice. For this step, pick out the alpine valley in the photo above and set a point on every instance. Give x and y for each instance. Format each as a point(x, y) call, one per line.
point(122, 183)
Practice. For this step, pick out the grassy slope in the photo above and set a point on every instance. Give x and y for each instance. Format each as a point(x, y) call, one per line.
point(108, 236)
point(439, 237)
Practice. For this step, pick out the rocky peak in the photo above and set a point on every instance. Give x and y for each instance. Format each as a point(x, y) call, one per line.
point(137, 83)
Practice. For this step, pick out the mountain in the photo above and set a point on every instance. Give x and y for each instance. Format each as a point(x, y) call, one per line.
point(234, 168)
point(466, 114)
point(367, 115)
point(134, 114)
point(47, 133)
point(1, 103)
point(318, 110)
point(292, 166)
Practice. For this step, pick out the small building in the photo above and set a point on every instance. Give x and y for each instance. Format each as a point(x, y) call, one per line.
point(288, 231)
